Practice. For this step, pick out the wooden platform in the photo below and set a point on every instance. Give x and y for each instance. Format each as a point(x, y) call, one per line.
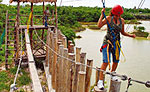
point(35, 27)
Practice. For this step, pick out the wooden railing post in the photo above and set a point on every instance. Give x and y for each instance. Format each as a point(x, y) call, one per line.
point(82, 60)
point(88, 75)
point(50, 52)
point(114, 86)
point(77, 69)
point(54, 63)
point(71, 57)
point(47, 49)
point(64, 71)
point(59, 70)
point(81, 81)
point(78, 50)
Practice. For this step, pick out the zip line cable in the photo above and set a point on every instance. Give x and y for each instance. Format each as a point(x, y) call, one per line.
point(123, 77)
point(139, 6)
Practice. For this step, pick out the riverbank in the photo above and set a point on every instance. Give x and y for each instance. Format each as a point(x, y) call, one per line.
point(93, 25)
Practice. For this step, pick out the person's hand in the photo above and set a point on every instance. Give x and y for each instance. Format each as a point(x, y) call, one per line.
point(103, 10)
point(133, 35)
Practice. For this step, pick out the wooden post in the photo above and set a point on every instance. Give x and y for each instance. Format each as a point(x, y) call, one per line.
point(56, 21)
point(54, 64)
point(88, 75)
point(69, 42)
point(17, 32)
point(64, 71)
point(78, 50)
point(71, 57)
point(64, 41)
point(72, 48)
point(82, 60)
point(77, 69)
point(59, 70)
point(32, 14)
point(115, 86)
point(47, 49)
point(43, 11)
point(51, 53)
point(61, 51)
point(81, 81)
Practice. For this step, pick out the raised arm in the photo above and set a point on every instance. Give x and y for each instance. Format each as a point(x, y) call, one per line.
point(125, 33)
point(101, 22)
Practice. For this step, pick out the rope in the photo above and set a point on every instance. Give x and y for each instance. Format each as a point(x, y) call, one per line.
point(123, 77)
point(13, 86)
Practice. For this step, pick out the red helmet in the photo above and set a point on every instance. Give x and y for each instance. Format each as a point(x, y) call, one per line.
point(117, 10)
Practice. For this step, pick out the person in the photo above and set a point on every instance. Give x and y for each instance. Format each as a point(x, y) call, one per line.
point(47, 12)
point(111, 42)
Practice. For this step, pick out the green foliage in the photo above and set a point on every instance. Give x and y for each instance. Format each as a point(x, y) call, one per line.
point(3, 77)
point(68, 32)
point(13, 70)
point(139, 28)
point(128, 16)
point(23, 80)
point(140, 31)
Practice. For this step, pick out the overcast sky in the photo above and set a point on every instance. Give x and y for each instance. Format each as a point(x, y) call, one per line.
point(93, 3)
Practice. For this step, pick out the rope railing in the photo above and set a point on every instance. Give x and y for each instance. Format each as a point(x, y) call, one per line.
point(123, 77)
point(13, 86)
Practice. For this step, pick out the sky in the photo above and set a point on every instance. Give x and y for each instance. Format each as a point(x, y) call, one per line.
point(94, 3)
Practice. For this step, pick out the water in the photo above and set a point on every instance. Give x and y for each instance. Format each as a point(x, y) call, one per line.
point(136, 51)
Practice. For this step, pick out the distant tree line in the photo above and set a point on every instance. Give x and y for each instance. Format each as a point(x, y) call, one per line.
point(68, 16)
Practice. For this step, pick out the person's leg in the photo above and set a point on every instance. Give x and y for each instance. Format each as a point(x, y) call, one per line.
point(103, 67)
point(114, 66)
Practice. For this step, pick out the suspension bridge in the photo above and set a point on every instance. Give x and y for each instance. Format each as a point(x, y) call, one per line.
point(66, 67)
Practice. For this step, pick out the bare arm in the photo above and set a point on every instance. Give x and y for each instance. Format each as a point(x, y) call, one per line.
point(101, 22)
point(125, 33)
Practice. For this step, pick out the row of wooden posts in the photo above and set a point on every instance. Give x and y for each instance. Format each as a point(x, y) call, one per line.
point(64, 61)
point(68, 75)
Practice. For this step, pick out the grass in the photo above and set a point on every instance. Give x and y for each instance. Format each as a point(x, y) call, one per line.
point(7, 78)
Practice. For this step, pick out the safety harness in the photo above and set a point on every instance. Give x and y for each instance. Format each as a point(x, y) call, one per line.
point(116, 42)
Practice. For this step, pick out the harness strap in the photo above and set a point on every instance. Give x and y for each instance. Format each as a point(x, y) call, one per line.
point(108, 56)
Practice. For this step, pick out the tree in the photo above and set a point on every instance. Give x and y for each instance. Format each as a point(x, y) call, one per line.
point(1, 1)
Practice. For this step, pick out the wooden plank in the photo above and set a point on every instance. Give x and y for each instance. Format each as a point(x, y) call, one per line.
point(27, 37)
point(29, 53)
point(35, 79)
point(32, 68)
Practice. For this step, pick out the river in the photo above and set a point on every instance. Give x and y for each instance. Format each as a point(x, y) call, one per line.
point(137, 54)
